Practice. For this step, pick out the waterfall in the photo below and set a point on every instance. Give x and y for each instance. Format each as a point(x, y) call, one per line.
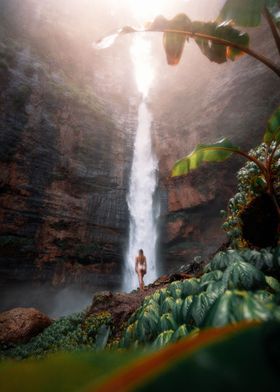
point(142, 205)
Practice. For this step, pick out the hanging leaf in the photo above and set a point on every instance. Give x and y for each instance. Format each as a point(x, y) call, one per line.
point(217, 152)
point(272, 132)
point(174, 43)
point(184, 28)
point(245, 13)
point(217, 52)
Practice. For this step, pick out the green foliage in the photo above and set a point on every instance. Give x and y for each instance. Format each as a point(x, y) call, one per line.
point(71, 333)
point(222, 260)
point(217, 152)
point(234, 306)
point(272, 132)
point(174, 43)
point(216, 52)
point(248, 13)
point(233, 288)
point(243, 12)
point(243, 276)
point(202, 360)
point(213, 38)
point(251, 184)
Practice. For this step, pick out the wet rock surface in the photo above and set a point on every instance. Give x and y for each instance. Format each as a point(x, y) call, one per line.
point(21, 324)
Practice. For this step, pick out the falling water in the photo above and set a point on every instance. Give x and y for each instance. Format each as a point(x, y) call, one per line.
point(142, 206)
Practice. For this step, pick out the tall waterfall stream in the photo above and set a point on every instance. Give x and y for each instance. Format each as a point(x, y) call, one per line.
point(143, 207)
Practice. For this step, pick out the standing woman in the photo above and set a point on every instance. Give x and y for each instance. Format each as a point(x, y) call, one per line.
point(141, 267)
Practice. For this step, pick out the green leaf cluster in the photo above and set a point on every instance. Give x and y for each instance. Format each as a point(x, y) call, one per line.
point(233, 288)
point(251, 184)
point(70, 333)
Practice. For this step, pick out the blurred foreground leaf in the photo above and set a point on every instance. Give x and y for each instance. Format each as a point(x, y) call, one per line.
point(241, 357)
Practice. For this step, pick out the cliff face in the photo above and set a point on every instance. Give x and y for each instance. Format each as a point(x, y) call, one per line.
point(65, 154)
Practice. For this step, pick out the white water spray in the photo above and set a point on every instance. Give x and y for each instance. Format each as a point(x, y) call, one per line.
point(142, 206)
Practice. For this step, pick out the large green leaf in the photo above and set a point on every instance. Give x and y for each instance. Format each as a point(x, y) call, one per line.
point(243, 276)
point(217, 152)
point(190, 287)
point(241, 358)
point(272, 132)
point(234, 306)
point(167, 322)
point(222, 260)
point(201, 305)
point(243, 12)
point(180, 333)
point(174, 43)
point(213, 276)
point(217, 52)
point(168, 305)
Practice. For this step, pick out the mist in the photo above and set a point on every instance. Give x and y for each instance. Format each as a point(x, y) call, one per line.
point(55, 302)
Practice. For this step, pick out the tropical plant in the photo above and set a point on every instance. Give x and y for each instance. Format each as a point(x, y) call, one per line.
point(233, 288)
point(202, 360)
point(218, 40)
point(264, 175)
point(250, 197)
point(248, 13)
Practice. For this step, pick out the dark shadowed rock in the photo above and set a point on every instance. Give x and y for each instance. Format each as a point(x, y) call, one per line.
point(21, 324)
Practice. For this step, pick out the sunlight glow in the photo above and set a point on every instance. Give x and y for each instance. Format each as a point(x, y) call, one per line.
point(147, 9)
point(143, 67)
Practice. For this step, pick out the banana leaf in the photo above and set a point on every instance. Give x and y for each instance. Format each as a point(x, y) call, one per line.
point(216, 152)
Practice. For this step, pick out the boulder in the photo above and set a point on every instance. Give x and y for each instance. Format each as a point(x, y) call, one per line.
point(19, 325)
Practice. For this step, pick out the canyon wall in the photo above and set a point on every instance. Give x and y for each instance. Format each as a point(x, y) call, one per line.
point(65, 152)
